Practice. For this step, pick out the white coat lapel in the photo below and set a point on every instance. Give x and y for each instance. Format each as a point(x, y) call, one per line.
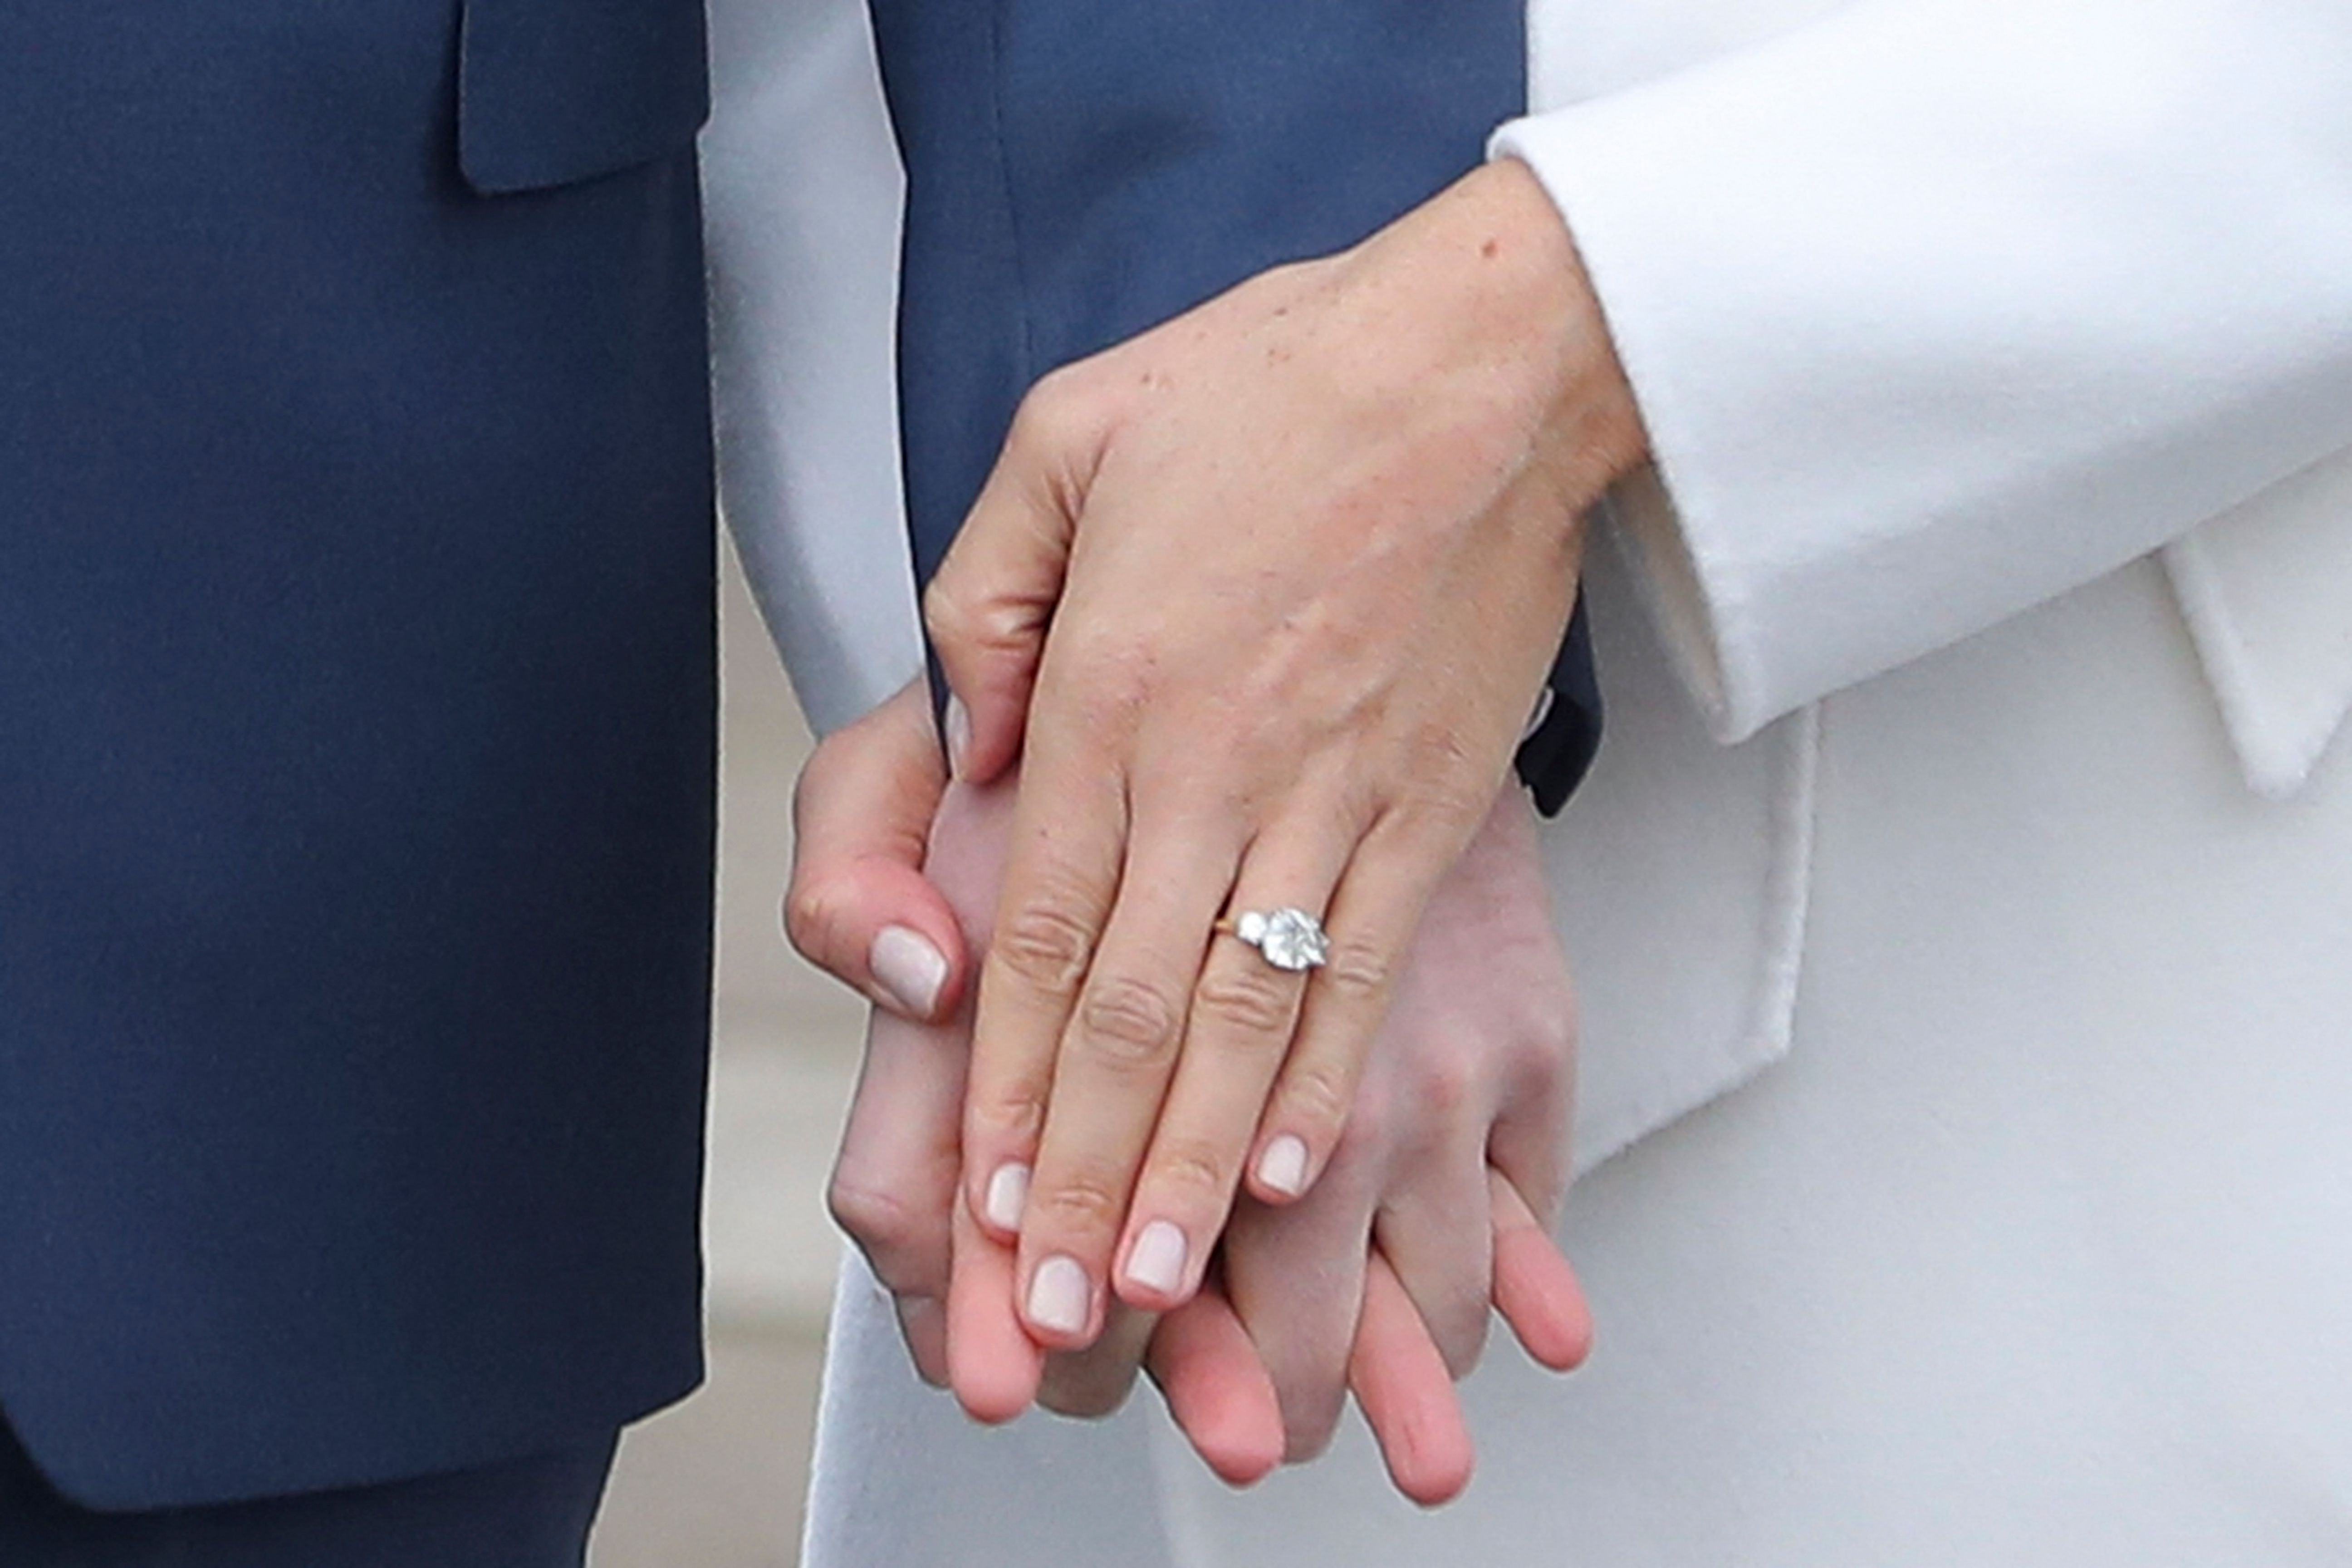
point(1679, 877)
point(2267, 591)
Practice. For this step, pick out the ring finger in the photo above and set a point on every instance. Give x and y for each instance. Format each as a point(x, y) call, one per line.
point(1243, 1012)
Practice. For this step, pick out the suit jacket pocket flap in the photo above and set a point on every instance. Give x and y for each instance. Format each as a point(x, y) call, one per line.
point(550, 91)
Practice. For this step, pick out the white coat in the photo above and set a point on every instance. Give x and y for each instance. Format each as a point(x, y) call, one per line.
point(1969, 806)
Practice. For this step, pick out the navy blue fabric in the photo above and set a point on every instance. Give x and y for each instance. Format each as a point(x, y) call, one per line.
point(356, 733)
point(549, 93)
point(525, 1513)
point(1080, 169)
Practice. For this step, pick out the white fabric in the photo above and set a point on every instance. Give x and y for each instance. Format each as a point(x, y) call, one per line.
point(2033, 1250)
point(801, 192)
point(1936, 308)
point(2265, 589)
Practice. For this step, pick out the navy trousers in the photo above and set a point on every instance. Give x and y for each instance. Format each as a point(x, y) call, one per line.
point(530, 1513)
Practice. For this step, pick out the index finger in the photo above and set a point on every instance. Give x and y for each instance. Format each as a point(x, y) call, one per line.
point(1069, 831)
point(1407, 1393)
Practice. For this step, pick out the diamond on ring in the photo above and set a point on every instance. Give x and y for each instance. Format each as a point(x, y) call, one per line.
point(1287, 939)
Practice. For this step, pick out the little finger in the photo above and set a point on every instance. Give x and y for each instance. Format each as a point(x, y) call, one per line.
point(1374, 914)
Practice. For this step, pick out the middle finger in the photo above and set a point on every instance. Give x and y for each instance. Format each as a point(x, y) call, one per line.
point(1112, 1071)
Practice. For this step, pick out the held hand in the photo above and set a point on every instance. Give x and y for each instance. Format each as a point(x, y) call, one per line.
point(894, 1191)
point(1306, 554)
point(859, 907)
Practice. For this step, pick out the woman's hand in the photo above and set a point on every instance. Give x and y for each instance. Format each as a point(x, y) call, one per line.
point(1287, 572)
point(1436, 1208)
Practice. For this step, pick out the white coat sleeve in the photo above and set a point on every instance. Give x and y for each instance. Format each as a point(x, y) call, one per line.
point(1938, 309)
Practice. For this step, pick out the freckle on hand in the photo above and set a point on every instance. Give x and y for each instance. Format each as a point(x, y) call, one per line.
point(1490, 248)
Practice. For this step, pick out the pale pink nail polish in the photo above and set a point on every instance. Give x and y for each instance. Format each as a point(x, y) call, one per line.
point(1282, 1167)
point(1008, 1195)
point(1058, 1295)
point(1156, 1261)
point(909, 969)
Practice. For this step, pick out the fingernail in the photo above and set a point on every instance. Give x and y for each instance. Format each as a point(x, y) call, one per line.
point(1157, 1260)
point(1008, 1194)
point(959, 728)
point(1057, 1296)
point(1282, 1167)
point(908, 967)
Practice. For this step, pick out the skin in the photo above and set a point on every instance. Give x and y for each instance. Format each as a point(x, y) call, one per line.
point(1375, 1283)
point(1261, 599)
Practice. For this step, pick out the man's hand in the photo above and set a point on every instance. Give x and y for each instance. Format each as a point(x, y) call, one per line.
point(859, 907)
point(1288, 573)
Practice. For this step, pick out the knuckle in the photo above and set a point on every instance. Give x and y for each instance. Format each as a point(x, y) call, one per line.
point(1318, 1097)
point(948, 616)
point(1110, 686)
point(1449, 808)
point(1046, 945)
point(876, 1220)
point(816, 910)
point(1443, 751)
point(1012, 1119)
point(1361, 971)
point(1253, 999)
point(1086, 1204)
point(1129, 1021)
point(1057, 410)
point(1446, 1086)
point(971, 622)
point(1195, 1175)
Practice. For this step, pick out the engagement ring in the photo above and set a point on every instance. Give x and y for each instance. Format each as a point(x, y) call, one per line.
point(1287, 939)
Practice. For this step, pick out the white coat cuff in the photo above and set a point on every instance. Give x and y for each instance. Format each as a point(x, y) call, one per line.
point(1936, 310)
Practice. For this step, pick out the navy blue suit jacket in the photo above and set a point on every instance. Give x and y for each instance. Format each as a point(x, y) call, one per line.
point(1078, 171)
point(356, 688)
point(356, 712)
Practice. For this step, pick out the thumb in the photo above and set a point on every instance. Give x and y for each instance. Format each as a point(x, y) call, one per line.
point(990, 603)
point(859, 907)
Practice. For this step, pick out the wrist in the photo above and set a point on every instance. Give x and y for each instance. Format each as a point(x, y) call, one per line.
point(1506, 235)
